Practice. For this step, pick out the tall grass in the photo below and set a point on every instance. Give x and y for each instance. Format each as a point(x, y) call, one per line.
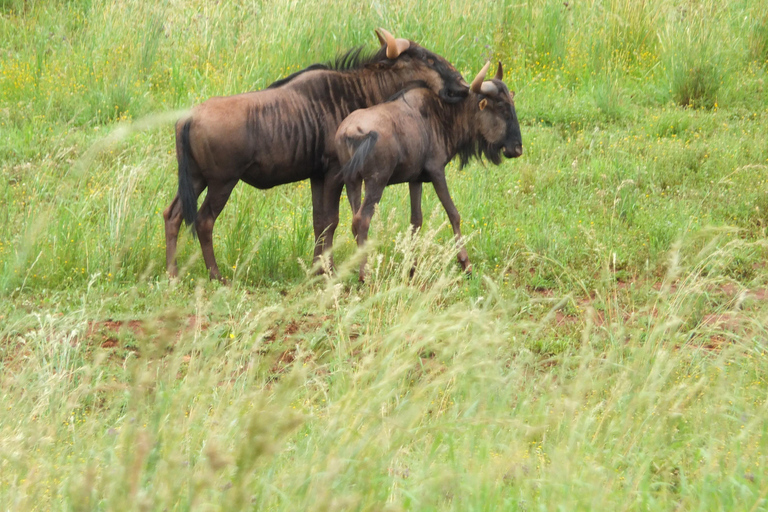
point(391, 395)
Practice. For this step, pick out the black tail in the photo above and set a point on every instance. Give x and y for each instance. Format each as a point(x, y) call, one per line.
point(364, 148)
point(186, 187)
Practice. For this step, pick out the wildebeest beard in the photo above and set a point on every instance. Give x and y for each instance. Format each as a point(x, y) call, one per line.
point(477, 148)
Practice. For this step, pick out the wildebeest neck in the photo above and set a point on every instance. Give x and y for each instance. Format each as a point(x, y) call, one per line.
point(453, 124)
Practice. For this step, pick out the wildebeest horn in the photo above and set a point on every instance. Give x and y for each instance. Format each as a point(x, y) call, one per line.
point(478, 81)
point(499, 73)
point(394, 46)
point(382, 39)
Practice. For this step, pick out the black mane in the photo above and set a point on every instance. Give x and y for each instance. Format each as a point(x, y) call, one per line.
point(356, 58)
point(290, 77)
point(416, 84)
point(454, 88)
point(353, 59)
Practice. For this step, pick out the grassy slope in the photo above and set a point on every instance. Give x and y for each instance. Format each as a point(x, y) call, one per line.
point(606, 354)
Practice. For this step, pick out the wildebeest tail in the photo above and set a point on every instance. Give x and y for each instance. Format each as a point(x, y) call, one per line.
point(186, 187)
point(363, 147)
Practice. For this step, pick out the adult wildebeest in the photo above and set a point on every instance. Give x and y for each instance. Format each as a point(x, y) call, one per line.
point(285, 134)
point(413, 136)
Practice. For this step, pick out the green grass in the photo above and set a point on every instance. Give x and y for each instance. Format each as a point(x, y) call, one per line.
point(609, 351)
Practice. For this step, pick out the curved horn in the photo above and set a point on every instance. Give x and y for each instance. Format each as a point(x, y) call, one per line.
point(394, 46)
point(478, 81)
point(499, 73)
point(382, 39)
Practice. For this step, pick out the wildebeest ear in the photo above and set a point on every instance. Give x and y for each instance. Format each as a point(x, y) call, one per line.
point(483, 103)
point(511, 95)
point(499, 73)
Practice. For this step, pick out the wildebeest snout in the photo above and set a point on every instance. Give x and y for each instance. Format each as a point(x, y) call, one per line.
point(513, 153)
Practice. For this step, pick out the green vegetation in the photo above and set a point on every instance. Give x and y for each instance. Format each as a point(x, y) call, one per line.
point(609, 351)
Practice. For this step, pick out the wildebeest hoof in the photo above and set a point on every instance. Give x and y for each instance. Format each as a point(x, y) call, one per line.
point(218, 277)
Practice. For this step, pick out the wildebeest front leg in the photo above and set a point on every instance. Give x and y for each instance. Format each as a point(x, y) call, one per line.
point(332, 189)
point(217, 197)
point(441, 187)
point(316, 184)
point(417, 218)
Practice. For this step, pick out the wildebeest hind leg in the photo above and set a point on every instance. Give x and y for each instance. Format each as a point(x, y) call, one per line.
point(173, 219)
point(354, 195)
point(362, 218)
point(417, 218)
point(173, 216)
point(217, 197)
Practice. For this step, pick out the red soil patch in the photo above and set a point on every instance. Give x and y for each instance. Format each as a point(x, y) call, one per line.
point(715, 329)
point(730, 320)
point(107, 333)
point(760, 294)
point(284, 360)
point(291, 335)
point(715, 343)
point(564, 319)
point(14, 353)
point(296, 328)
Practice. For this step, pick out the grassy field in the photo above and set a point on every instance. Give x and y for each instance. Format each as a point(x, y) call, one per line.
point(608, 353)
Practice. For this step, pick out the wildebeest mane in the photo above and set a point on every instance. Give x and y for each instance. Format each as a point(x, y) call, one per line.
point(446, 115)
point(416, 84)
point(356, 58)
point(351, 60)
point(283, 81)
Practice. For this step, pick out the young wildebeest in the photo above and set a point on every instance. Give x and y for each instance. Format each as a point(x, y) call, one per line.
point(285, 134)
point(412, 137)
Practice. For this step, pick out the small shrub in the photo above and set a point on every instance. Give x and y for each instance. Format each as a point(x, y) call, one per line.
point(695, 84)
point(694, 63)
